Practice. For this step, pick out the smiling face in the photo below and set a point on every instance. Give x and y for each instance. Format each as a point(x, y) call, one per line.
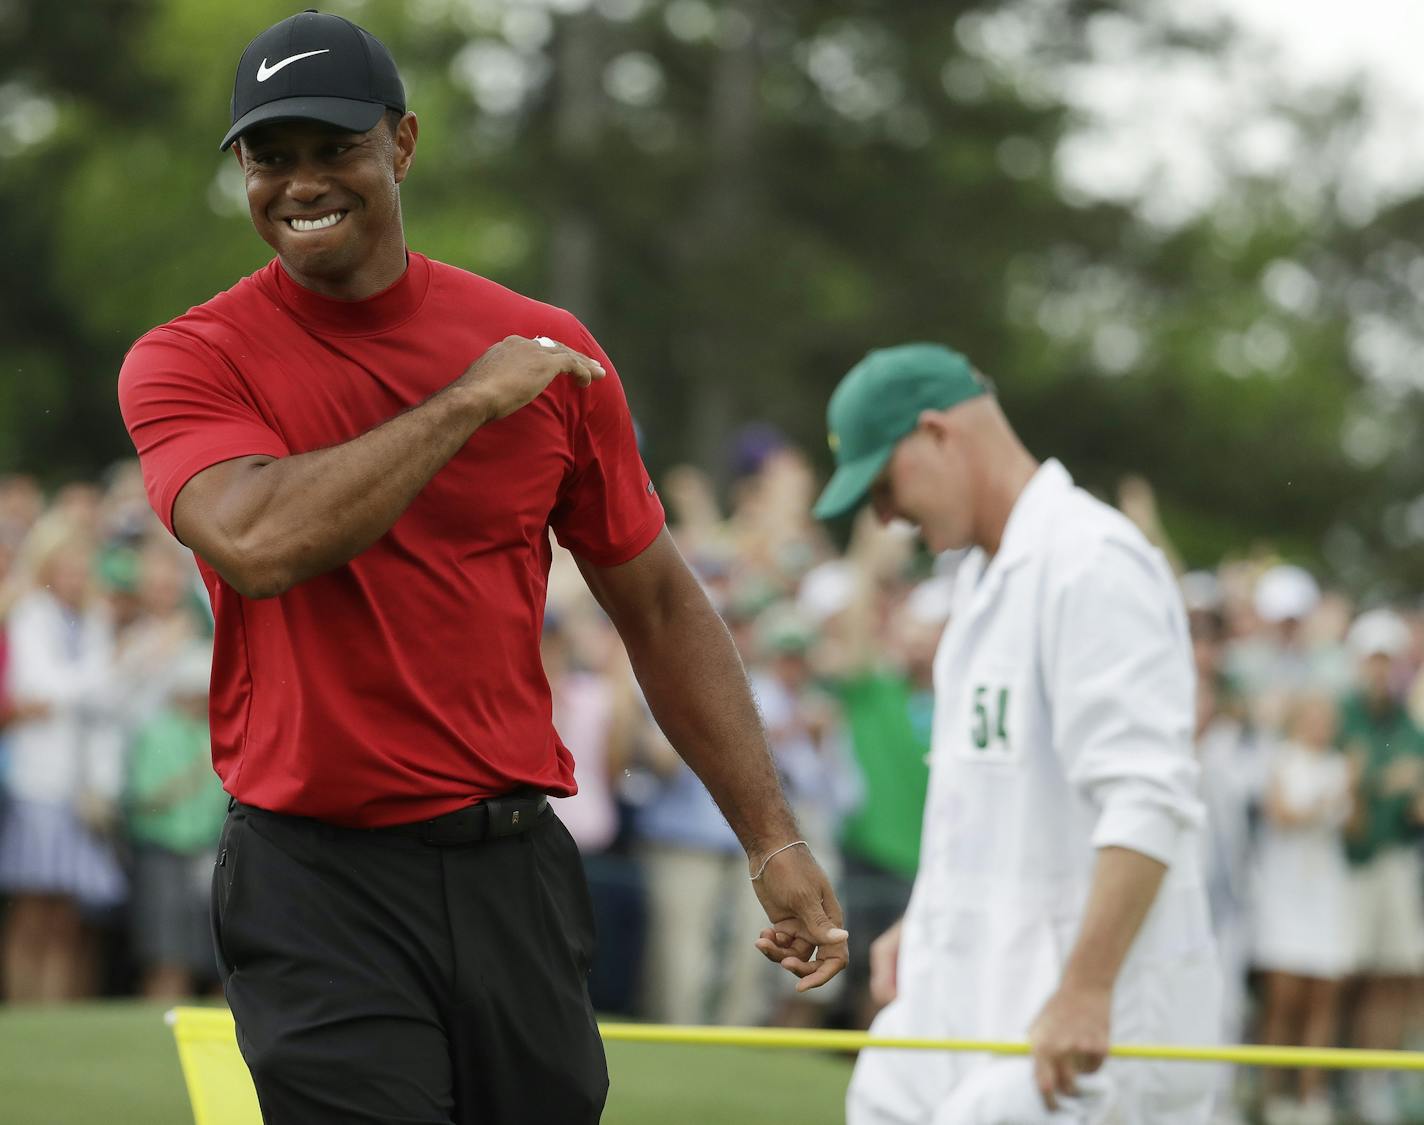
point(328, 201)
point(927, 482)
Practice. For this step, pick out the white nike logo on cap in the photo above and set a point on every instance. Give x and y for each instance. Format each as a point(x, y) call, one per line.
point(265, 72)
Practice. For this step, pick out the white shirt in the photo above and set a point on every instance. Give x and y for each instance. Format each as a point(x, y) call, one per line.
point(1064, 695)
point(1233, 766)
point(64, 661)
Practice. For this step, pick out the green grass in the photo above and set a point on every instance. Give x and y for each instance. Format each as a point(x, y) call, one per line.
point(116, 1063)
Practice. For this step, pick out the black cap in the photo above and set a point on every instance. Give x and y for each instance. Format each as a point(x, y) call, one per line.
point(314, 67)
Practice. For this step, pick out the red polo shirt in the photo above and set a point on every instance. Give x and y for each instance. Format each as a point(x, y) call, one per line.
point(406, 683)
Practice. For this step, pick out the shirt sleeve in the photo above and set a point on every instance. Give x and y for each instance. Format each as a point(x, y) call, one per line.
point(186, 411)
point(608, 511)
point(1121, 682)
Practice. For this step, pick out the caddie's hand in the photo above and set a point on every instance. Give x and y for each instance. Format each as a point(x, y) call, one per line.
point(513, 372)
point(885, 965)
point(1069, 1037)
point(805, 937)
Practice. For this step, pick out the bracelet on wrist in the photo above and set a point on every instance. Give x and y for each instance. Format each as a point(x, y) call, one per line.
point(784, 847)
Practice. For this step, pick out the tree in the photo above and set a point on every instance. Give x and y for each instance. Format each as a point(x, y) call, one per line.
point(741, 199)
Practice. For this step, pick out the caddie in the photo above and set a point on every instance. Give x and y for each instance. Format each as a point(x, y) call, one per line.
point(1059, 896)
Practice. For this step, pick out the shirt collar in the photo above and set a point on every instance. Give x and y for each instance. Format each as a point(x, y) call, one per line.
point(1031, 512)
point(381, 312)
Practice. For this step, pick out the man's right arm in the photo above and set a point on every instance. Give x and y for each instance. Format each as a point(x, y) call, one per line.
point(265, 524)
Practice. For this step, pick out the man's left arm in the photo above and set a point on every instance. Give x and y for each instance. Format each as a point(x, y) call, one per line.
point(1119, 671)
point(1071, 1034)
point(689, 670)
point(697, 689)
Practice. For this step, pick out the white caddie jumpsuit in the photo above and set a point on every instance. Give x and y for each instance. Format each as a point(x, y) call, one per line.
point(1064, 699)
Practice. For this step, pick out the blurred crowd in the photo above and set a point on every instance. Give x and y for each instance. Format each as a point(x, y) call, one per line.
point(1308, 732)
point(110, 806)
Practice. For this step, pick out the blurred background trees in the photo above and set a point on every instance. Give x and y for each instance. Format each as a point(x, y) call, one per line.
point(740, 198)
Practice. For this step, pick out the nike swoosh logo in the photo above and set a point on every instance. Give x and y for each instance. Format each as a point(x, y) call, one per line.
point(265, 72)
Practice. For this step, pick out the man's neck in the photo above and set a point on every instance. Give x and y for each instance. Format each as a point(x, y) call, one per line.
point(370, 278)
point(1003, 485)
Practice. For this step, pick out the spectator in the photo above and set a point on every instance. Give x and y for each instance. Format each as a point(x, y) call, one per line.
point(771, 522)
point(176, 807)
point(1137, 500)
point(1274, 663)
point(801, 722)
point(882, 668)
point(21, 502)
point(593, 713)
point(1232, 783)
point(124, 515)
point(802, 727)
point(866, 632)
point(163, 625)
point(696, 519)
point(9, 545)
point(596, 712)
point(80, 504)
point(1382, 845)
point(57, 859)
point(1303, 941)
point(699, 900)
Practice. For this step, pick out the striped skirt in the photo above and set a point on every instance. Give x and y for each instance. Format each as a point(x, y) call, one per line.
point(47, 849)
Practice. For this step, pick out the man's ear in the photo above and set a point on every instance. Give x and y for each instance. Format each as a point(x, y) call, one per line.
point(937, 423)
point(407, 133)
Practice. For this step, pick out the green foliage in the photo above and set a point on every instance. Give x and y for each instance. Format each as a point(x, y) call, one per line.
point(740, 199)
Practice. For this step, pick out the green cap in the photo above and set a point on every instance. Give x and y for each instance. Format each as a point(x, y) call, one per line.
point(877, 403)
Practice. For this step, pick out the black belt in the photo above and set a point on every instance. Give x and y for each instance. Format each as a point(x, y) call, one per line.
point(484, 820)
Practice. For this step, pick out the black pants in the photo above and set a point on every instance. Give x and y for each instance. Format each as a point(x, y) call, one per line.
point(381, 979)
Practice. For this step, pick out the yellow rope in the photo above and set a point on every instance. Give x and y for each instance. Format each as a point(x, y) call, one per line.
point(787, 1038)
point(214, 1025)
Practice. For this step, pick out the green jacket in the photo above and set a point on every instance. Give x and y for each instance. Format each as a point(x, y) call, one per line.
point(174, 798)
point(889, 725)
point(1380, 739)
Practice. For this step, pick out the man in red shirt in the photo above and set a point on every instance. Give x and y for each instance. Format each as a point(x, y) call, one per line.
point(366, 449)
